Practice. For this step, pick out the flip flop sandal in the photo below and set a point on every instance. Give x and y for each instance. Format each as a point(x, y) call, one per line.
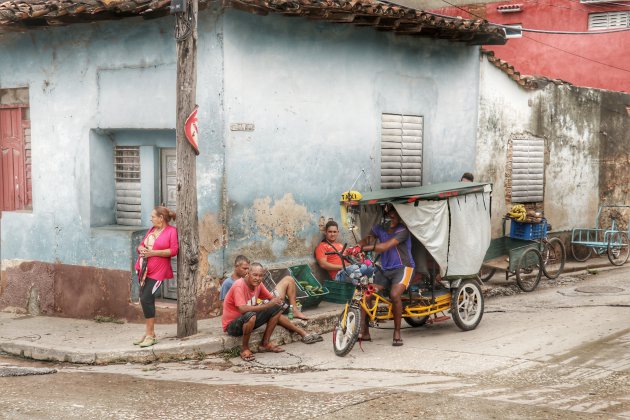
point(364, 339)
point(248, 358)
point(397, 342)
point(139, 341)
point(148, 342)
point(312, 338)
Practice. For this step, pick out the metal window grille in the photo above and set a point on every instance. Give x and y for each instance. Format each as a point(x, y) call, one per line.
point(608, 20)
point(528, 169)
point(127, 177)
point(401, 150)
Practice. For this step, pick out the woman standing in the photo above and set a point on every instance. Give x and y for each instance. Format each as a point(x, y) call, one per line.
point(154, 266)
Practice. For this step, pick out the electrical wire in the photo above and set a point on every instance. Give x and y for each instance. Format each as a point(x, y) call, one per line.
point(577, 55)
point(542, 31)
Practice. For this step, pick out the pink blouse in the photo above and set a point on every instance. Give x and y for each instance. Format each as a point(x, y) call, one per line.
point(159, 268)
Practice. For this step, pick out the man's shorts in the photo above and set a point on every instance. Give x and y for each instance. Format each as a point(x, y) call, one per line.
point(235, 328)
point(387, 278)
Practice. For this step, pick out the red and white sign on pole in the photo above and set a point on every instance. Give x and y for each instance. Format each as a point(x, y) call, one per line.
point(191, 130)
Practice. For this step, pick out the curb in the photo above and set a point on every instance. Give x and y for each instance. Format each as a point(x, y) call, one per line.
point(169, 349)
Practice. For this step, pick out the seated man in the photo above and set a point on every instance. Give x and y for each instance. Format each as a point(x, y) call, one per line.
point(243, 312)
point(331, 263)
point(286, 288)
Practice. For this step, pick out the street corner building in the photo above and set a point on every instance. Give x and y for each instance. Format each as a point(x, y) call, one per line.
point(291, 111)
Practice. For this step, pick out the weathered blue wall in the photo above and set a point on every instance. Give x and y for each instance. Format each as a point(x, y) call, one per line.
point(314, 93)
point(91, 85)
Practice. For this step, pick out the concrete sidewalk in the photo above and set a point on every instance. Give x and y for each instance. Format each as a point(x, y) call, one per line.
point(91, 342)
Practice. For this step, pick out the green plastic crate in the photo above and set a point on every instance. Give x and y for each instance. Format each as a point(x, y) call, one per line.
point(338, 292)
point(304, 273)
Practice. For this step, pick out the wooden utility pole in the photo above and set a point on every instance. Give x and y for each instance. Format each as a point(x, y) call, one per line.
point(187, 223)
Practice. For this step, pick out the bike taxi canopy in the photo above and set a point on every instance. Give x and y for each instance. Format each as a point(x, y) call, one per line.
point(451, 220)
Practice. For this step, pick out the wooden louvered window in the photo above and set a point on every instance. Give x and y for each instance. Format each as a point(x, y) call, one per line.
point(528, 169)
point(608, 20)
point(401, 150)
point(127, 173)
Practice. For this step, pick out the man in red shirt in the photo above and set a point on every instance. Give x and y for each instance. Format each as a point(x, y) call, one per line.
point(242, 313)
point(332, 262)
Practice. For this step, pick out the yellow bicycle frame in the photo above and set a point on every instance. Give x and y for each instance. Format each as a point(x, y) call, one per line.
point(441, 303)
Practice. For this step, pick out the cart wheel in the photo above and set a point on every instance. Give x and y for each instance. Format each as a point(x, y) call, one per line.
point(580, 253)
point(467, 305)
point(618, 251)
point(486, 274)
point(346, 331)
point(553, 258)
point(528, 270)
point(416, 321)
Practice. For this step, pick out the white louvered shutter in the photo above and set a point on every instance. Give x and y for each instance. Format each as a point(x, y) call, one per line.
point(401, 150)
point(608, 20)
point(528, 169)
point(127, 172)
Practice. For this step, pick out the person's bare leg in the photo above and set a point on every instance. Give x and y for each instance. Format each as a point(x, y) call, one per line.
point(248, 327)
point(395, 296)
point(271, 325)
point(365, 324)
point(287, 288)
point(150, 327)
point(285, 322)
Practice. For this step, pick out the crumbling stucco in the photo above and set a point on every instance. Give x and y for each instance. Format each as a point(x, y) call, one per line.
point(284, 218)
point(212, 238)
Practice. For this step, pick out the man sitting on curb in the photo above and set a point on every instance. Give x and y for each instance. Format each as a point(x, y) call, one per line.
point(286, 288)
point(242, 313)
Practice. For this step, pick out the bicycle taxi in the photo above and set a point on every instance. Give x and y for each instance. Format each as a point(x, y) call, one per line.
point(450, 227)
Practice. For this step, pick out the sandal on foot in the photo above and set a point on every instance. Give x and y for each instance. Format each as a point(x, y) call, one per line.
point(247, 356)
point(312, 338)
point(139, 341)
point(270, 348)
point(368, 338)
point(397, 342)
point(148, 341)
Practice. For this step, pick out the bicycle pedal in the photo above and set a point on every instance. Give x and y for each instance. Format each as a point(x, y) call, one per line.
point(439, 319)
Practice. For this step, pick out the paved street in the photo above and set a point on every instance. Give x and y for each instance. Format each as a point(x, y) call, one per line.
point(562, 351)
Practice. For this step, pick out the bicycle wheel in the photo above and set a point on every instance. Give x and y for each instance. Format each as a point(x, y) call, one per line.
point(467, 305)
point(580, 253)
point(346, 331)
point(529, 270)
point(486, 274)
point(618, 251)
point(554, 257)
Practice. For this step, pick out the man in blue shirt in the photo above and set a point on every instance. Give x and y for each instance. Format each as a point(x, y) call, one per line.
point(393, 242)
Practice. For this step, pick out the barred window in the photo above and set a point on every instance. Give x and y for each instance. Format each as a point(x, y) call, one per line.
point(127, 177)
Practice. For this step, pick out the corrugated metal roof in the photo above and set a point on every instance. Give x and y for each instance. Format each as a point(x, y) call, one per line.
point(19, 15)
point(426, 192)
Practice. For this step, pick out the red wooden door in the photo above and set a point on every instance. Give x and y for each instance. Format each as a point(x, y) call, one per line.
point(12, 171)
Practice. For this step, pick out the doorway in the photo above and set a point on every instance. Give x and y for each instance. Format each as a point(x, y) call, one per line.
point(168, 198)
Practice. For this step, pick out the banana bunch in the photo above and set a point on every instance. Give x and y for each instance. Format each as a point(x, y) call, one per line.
point(518, 213)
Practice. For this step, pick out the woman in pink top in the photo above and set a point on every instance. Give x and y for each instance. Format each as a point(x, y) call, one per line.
point(154, 266)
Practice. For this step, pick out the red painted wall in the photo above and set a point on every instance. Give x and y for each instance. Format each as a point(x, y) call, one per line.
point(599, 61)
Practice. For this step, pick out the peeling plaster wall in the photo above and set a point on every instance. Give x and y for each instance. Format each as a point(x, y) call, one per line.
point(303, 105)
point(579, 157)
point(290, 113)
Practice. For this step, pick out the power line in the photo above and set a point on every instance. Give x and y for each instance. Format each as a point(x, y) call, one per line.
point(541, 31)
point(577, 55)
